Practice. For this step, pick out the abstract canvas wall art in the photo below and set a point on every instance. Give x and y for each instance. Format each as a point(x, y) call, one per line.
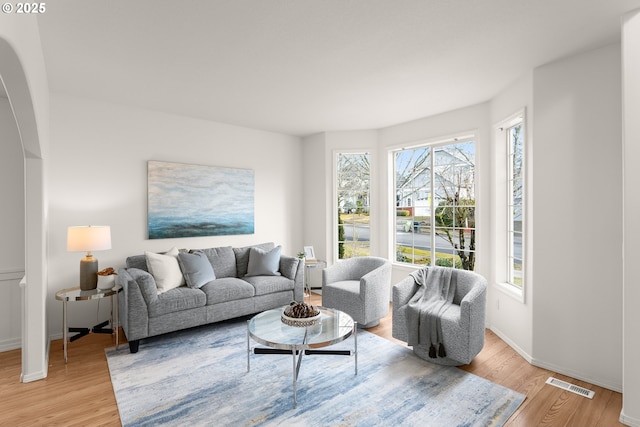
point(194, 200)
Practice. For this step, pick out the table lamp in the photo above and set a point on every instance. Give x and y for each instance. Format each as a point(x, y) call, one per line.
point(88, 238)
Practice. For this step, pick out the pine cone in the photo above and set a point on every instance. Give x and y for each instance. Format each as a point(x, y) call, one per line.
point(301, 310)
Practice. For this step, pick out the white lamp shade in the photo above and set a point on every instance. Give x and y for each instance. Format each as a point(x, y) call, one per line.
point(89, 238)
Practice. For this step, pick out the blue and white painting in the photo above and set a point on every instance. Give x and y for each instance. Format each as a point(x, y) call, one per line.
point(194, 200)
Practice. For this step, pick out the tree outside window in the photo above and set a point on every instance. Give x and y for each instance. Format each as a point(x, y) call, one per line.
point(515, 208)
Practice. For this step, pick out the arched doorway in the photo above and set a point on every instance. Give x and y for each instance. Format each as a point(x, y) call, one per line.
point(11, 227)
point(35, 342)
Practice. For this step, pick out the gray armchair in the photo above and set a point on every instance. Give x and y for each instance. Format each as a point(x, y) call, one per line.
point(360, 287)
point(463, 323)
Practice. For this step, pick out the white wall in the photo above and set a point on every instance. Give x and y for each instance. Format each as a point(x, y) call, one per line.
point(570, 320)
point(11, 228)
point(631, 153)
point(509, 317)
point(98, 175)
point(315, 197)
point(577, 298)
point(23, 73)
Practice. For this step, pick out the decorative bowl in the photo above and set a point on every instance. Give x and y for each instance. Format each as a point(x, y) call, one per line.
point(300, 321)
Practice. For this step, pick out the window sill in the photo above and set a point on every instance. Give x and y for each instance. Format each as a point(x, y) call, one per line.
point(511, 291)
point(406, 267)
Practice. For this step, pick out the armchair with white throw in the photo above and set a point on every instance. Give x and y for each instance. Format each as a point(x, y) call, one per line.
point(441, 313)
point(360, 287)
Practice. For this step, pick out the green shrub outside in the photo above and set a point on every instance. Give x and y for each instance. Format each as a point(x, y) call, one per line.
point(422, 257)
point(448, 262)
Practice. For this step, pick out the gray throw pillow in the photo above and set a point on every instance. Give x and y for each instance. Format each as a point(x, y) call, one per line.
point(264, 263)
point(242, 256)
point(196, 268)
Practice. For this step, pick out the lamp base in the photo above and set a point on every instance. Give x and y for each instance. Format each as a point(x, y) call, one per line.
point(88, 276)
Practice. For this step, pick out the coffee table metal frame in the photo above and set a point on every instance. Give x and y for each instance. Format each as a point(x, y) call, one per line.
point(267, 329)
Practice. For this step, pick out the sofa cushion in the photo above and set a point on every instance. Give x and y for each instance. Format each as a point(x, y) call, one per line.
point(196, 268)
point(165, 269)
point(177, 299)
point(269, 284)
point(223, 261)
point(242, 256)
point(264, 263)
point(227, 289)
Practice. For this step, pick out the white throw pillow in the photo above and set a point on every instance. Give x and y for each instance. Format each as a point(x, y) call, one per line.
point(165, 269)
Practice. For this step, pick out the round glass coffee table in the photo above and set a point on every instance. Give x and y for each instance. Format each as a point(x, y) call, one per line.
point(267, 329)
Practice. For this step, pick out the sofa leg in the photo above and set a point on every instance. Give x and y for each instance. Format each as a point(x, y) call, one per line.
point(133, 346)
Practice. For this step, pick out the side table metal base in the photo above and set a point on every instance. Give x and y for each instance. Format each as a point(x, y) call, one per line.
point(83, 332)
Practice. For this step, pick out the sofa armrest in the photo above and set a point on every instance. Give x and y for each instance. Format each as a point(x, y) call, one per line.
point(473, 305)
point(378, 277)
point(403, 291)
point(293, 269)
point(298, 291)
point(137, 291)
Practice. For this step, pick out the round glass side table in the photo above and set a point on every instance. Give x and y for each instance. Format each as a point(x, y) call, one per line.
point(76, 294)
point(308, 266)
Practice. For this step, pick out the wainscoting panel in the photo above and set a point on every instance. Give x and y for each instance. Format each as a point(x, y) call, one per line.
point(10, 309)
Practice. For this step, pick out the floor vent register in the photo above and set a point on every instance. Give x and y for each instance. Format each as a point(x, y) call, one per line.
point(571, 387)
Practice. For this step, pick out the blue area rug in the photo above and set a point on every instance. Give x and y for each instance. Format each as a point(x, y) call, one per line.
point(199, 377)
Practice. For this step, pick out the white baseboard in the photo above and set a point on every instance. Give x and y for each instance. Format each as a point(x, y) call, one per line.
point(629, 421)
point(38, 375)
point(10, 344)
point(511, 344)
point(577, 375)
point(35, 376)
point(555, 368)
point(56, 336)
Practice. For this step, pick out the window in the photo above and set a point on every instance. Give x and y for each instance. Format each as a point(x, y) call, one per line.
point(435, 204)
point(353, 201)
point(515, 203)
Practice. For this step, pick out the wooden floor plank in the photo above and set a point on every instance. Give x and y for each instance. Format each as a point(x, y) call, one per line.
point(80, 393)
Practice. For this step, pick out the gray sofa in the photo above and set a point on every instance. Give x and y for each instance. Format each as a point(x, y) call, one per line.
point(144, 312)
point(463, 323)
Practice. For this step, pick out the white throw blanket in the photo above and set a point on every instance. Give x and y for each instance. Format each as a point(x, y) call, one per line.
point(436, 288)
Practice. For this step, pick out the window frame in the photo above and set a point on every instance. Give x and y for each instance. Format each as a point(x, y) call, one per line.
point(432, 145)
point(504, 223)
point(336, 207)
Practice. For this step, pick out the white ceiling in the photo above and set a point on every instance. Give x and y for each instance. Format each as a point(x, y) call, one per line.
point(305, 66)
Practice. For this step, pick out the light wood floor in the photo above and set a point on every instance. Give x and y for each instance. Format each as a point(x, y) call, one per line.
point(80, 392)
